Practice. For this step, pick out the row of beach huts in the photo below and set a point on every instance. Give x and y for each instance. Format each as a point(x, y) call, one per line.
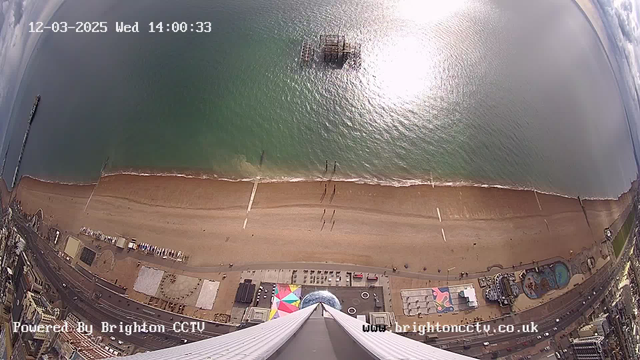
point(133, 244)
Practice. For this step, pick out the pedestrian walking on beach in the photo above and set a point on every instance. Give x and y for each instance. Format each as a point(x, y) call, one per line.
point(326, 166)
point(335, 166)
point(332, 225)
point(323, 222)
point(332, 215)
point(323, 213)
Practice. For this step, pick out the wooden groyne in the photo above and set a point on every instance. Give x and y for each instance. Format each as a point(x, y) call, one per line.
point(24, 141)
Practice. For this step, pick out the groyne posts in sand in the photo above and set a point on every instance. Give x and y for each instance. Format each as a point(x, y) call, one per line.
point(333, 194)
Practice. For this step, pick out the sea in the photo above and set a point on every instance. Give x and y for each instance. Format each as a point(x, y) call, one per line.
point(487, 92)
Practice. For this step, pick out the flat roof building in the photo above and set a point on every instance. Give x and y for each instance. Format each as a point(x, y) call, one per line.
point(589, 348)
point(588, 330)
point(382, 318)
point(256, 315)
point(470, 295)
point(601, 324)
point(245, 292)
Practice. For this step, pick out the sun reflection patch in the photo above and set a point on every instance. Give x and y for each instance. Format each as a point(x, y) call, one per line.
point(425, 11)
point(401, 70)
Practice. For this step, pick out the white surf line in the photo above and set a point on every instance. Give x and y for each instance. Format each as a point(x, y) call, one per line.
point(253, 195)
point(443, 236)
point(538, 200)
point(439, 217)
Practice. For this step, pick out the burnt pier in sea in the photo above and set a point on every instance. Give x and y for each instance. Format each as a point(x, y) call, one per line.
point(333, 50)
point(32, 115)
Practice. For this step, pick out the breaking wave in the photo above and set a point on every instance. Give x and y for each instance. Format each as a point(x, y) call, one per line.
point(285, 179)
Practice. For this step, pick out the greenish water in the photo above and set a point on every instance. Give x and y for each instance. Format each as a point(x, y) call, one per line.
point(510, 93)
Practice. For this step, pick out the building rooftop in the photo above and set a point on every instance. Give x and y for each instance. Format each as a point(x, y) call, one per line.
point(596, 338)
point(41, 303)
point(257, 315)
point(245, 292)
point(82, 343)
point(382, 318)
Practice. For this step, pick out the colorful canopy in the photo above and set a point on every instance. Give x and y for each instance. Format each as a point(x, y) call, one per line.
point(286, 299)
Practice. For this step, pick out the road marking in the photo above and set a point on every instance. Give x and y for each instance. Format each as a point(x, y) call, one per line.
point(253, 195)
point(444, 236)
point(538, 200)
point(439, 217)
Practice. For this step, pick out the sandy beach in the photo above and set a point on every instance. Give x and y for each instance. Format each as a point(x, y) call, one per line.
point(374, 225)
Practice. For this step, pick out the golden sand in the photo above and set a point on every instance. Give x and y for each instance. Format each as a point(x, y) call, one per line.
point(374, 225)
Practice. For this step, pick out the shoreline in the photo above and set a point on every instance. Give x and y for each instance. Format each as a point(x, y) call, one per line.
point(395, 183)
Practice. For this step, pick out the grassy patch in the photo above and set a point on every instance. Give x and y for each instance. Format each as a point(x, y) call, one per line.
point(621, 238)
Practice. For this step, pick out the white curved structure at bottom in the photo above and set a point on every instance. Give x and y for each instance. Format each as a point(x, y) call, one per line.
point(327, 335)
point(387, 345)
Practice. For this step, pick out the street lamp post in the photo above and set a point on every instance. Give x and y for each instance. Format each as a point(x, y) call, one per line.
point(449, 270)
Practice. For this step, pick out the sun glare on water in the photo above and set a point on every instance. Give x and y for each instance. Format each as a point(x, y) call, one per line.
point(403, 66)
point(427, 11)
point(400, 70)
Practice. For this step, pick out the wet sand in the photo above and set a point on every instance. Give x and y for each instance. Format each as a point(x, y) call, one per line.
point(4, 193)
point(374, 225)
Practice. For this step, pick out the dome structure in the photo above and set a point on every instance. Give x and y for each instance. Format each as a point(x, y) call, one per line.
point(321, 296)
